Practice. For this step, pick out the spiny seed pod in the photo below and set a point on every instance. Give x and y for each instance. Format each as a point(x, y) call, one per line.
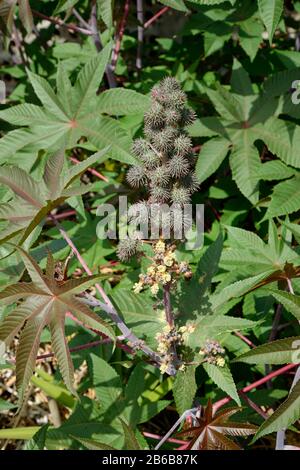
point(139, 147)
point(160, 176)
point(188, 116)
point(180, 220)
point(140, 209)
point(190, 182)
point(159, 194)
point(154, 118)
point(170, 84)
point(136, 176)
point(150, 159)
point(172, 117)
point(127, 248)
point(163, 140)
point(182, 145)
point(178, 166)
point(176, 99)
point(180, 195)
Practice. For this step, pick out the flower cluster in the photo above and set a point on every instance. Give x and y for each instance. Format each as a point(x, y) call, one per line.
point(163, 270)
point(168, 340)
point(213, 353)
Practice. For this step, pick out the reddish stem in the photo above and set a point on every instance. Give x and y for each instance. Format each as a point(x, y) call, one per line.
point(91, 170)
point(59, 22)
point(254, 406)
point(120, 34)
point(156, 16)
point(243, 338)
point(256, 384)
point(158, 437)
point(196, 148)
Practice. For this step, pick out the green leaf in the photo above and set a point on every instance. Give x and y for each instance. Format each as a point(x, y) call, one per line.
point(285, 198)
point(210, 157)
point(285, 415)
point(176, 4)
point(105, 11)
point(131, 442)
point(184, 389)
point(290, 301)
point(270, 12)
point(245, 164)
point(282, 351)
point(240, 80)
point(92, 444)
point(106, 381)
point(223, 378)
point(88, 80)
point(24, 115)
point(120, 101)
point(6, 405)
point(47, 96)
point(38, 441)
point(275, 170)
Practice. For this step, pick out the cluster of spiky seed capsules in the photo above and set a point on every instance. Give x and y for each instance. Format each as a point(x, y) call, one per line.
point(164, 269)
point(165, 155)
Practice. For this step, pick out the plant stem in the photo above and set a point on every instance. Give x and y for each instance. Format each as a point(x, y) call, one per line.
point(140, 18)
point(127, 333)
point(170, 321)
point(256, 384)
point(97, 41)
point(253, 405)
point(156, 16)
point(108, 307)
point(59, 22)
point(120, 34)
point(245, 339)
point(91, 170)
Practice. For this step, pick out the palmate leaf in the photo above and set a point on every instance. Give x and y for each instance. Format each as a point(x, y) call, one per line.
point(282, 351)
point(45, 302)
point(212, 428)
point(71, 113)
point(34, 200)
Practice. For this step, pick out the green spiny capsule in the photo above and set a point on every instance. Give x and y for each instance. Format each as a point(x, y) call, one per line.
point(150, 159)
point(180, 195)
point(127, 248)
point(190, 182)
point(160, 176)
point(154, 118)
point(178, 166)
point(163, 140)
point(182, 145)
point(140, 209)
point(159, 194)
point(188, 116)
point(139, 147)
point(136, 176)
point(172, 117)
